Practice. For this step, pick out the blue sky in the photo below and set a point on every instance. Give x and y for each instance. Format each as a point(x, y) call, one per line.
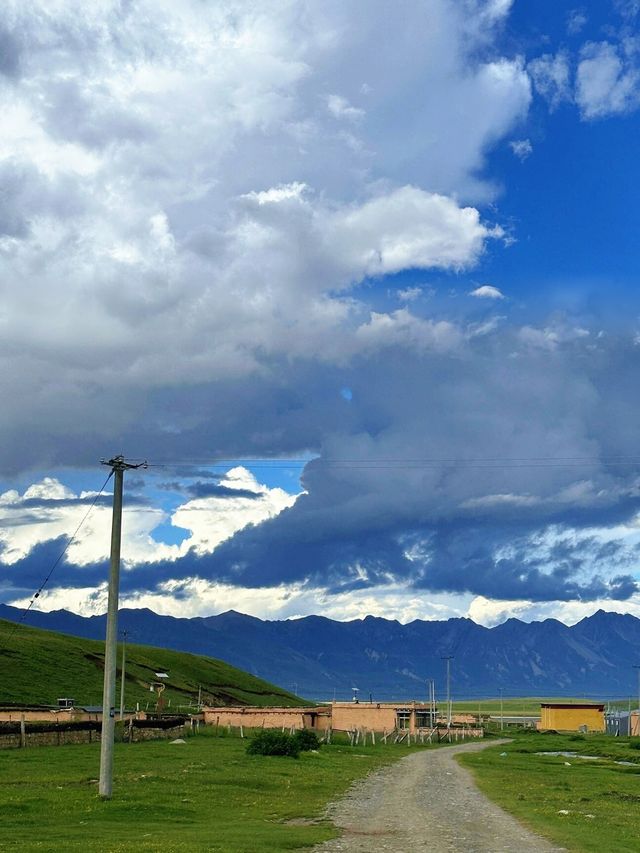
point(358, 280)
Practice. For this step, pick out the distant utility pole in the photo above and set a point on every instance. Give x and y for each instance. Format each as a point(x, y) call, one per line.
point(124, 647)
point(448, 659)
point(432, 701)
point(501, 709)
point(636, 666)
point(118, 466)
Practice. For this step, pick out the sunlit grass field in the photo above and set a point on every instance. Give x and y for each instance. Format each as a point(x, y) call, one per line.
point(203, 795)
point(528, 706)
point(583, 805)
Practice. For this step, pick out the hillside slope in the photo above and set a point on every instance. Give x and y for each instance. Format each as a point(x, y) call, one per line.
point(39, 666)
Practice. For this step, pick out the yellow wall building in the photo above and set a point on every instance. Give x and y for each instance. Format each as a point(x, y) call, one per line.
point(570, 717)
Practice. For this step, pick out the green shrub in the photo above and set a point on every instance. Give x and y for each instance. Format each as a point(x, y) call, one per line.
point(634, 744)
point(271, 742)
point(306, 740)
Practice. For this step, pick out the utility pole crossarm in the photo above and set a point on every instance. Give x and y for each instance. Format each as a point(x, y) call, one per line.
point(119, 463)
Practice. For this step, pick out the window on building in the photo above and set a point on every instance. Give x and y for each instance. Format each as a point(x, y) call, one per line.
point(403, 719)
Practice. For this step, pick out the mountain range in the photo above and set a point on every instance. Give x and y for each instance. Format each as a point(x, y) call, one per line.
point(320, 658)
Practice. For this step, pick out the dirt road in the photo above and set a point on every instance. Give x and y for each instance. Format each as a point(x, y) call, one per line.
point(426, 802)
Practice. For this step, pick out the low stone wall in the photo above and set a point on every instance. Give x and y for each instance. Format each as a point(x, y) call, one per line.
point(148, 733)
point(51, 738)
point(62, 736)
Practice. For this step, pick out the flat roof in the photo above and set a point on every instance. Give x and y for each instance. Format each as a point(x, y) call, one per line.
point(582, 705)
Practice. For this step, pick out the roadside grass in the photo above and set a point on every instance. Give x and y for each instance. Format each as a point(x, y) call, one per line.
point(204, 795)
point(602, 798)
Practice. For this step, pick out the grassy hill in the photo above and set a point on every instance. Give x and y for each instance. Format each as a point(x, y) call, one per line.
point(38, 667)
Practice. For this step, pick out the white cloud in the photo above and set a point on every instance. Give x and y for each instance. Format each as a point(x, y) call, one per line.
point(401, 328)
point(284, 192)
point(409, 294)
point(405, 229)
point(606, 83)
point(576, 21)
point(522, 148)
point(52, 512)
point(181, 205)
point(487, 291)
point(491, 612)
point(212, 520)
point(191, 597)
point(340, 107)
point(552, 78)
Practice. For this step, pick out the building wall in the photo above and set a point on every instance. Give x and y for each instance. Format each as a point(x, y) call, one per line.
point(342, 716)
point(569, 718)
point(268, 718)
point(634, 724)
point(346, 716)
point(44, 715)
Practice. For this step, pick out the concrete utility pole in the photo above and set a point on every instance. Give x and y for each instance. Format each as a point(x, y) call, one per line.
point(118, 466)
point(124, 647)
point(448, 659)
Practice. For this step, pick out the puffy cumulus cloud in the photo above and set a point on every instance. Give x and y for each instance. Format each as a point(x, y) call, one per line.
point(607, 82)
point(487, 291)
point(192, 192)
point(401, 328)
point(35, 527)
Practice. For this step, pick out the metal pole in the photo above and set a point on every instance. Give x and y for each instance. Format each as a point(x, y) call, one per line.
point(501, 709)
point(124, 647)
point(637, 667)
point(108, 695)
point(448, 660)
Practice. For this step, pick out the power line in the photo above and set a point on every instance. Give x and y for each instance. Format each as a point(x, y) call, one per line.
point(402, 462)
point(56, 562)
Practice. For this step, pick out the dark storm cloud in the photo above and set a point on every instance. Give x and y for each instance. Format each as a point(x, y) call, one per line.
point(27, 575)
point(434, 474)
point(208, 490)
point(59, 503)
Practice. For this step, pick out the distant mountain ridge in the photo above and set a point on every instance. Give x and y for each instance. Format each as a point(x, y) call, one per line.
point(321, 658)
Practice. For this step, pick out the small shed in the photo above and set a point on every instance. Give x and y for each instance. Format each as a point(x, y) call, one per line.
point(571, 717)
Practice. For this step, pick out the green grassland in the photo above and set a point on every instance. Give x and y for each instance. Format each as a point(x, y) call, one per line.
point(583, 805)
point(205, 795)
point(528, 706)
point(38, 667)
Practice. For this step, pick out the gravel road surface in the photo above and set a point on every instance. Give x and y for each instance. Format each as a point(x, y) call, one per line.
point(426, 801)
